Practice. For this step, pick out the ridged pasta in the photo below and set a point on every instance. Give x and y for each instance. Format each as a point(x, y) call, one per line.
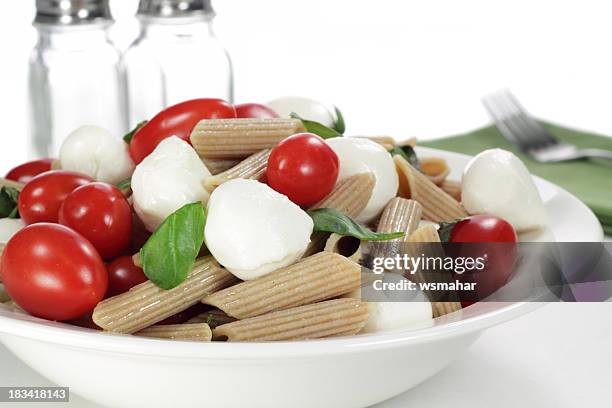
point(347, 246)
point(313, 279)
point(452, 188)
point(435, 168)
point(213, 318)
point(10, 183)
point(185, 332)
point(402, 215)
point(338, 317)
point(253, 167)
point(146, 304)
point(216, 166)
point(437, 205)
point(239, 138)
point(444, 308)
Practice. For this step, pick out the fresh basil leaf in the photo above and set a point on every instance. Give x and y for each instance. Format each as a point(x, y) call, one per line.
point(330, 220)
point(127, 183)
point(9, 197)
point(339, 126)
point(317, 128)
point(408, 153)
point(128, 136)
point(169, 254)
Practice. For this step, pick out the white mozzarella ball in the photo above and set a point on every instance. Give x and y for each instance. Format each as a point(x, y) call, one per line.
point(167, 179)
point(253, 230)
point(93, 151)
point(360, 155)
point(496, 182)
point(9, 227)
point(306, 108)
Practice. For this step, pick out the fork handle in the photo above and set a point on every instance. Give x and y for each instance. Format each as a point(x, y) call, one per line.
point(595, 153)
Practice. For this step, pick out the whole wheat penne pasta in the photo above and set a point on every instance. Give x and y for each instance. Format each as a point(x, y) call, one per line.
point(385, 141)
point(10, 183)
point(318, 277)
point(452, 188)
point(146, 304)
point(253, 167)
point(216, 166)
point(437, 205)
point(213, 318)
point(239, 138)
point(347, 246)
point(435, 168)
point(444, 308)
point(326, 319)
point(426, 233)
point(402, 215)
point(189, 332)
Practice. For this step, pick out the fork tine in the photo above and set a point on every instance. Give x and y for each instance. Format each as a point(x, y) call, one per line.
point(540, 132)
point(500, 117)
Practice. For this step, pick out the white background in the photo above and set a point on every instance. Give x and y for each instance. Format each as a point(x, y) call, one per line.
point(409, 68)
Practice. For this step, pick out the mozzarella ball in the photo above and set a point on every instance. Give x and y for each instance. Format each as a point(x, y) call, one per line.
point(306, 108)
point(93, 151)
point(166, 180)
point(252, 230)
point(496, 182)
point(9, 227)
point(360, 155)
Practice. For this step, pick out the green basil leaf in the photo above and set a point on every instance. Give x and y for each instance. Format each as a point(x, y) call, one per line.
point(8, 202)
point(128, 136)
point(330, 220)
point(169, 254)
point(127, 183)
point(339, 126)
point(317, 128)
point(408, 153)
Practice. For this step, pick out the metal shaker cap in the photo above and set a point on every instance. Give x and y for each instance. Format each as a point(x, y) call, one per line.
point(174, 8)
point(72, 12)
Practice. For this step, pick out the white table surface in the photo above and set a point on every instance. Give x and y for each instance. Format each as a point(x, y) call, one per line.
point(558, 356)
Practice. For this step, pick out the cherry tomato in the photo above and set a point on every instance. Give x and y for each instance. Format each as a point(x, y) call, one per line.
point(254, 110)
point(53, 272)
point(123, 275)
point(304, 168)
point(41, 198)
point(26, 171)
point(100, 213)
point(492, 239)
point(177, 120)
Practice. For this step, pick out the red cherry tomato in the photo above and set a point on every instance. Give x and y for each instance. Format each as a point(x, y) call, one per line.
point(177, 120)
point(53, 272)
point(494, 240)
point(254, 110)
point(123, 275)
point(41, 198)
point(304, 168)
point(26, 171)
point(100, 213)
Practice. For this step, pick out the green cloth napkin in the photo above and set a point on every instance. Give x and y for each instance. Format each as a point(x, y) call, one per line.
point(589, 180)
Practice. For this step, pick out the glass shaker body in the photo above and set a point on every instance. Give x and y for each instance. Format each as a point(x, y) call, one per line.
point(74, 80)
point(175, 59)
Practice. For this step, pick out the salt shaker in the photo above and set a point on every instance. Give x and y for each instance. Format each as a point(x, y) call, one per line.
point(75, 73)
point(176, 57)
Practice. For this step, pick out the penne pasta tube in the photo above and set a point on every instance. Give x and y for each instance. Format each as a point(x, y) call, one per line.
point(146, 304)
point(437, 205)
point(349, 247)
point(239, 138)
point(213, 318)
point(402, 215)
point(444, 308)
point(350, 197)
point(188, 332)
point(253, 167)
point(452, 188)
point(10, 183)
point(435, 168)
point(338, 317)
point(426, 233)
point(216, 166)
point(319, 277)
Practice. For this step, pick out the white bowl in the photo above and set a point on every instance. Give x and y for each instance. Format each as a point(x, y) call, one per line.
point(123, 371)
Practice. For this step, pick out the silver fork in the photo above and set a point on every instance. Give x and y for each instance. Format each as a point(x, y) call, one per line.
point(521, 129)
